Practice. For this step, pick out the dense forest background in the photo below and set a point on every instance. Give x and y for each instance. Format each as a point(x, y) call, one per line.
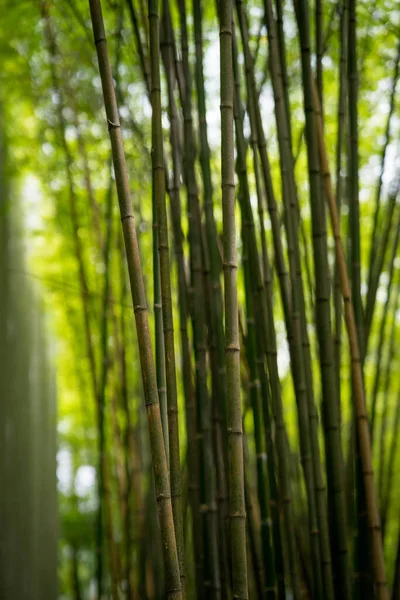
point(229, 397)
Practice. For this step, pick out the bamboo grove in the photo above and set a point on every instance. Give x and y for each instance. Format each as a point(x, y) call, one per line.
point(219, 249)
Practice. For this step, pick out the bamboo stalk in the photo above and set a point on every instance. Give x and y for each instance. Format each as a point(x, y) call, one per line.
point(380, 260)
point(372, 277)
point(266, 343)
point(381, 339)
point(158, 326)
point(386, 396)
point(354, 208)
point(386, 499)
point(341, 120)
point(128, 444)
point(331, 416)
point(207, 492)
point(319, 51)
point(269, 589)
point(160, 467)
point(166, 296)
point(174, 193)
point(211, 230)
point(237, 513)
point(296, 318)
point(357, 379)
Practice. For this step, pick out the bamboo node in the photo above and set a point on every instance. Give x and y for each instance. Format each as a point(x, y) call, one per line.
point(237, 515)
point(112, 125)
point(229, 265)
point(163, 497)
point(232, 431)
point(127, 216)
point(226, 105)
point(139, 308)
point(232, 348)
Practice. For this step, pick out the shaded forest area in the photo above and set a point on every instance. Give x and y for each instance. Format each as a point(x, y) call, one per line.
point(28, 494)
point(199, 258)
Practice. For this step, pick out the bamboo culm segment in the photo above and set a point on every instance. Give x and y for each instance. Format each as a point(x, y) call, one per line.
point(160, 467)
point(356, 373)
point(207, 480)
point(163, 249)
point(333, 442)
point(237, 512)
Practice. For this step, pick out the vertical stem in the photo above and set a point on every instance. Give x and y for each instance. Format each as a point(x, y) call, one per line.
point(159, 333)
point(234, 410)
point(211, 230)
point(357, 378)
point(381, 339)
point(375, 232)
point(319, 44)
point(269, 591)
point(207, 492)
point(163, 248)
point(160, 467)
point(333, 442)
point(341, 120)
point(354, 207)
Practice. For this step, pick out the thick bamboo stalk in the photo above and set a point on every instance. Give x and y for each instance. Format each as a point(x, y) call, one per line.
point(166, 296)
point(158, 326)
point(341, 120)
point(255, 566)
point(319, 50)
point(128, 445)
point(266, 343)
point(237, 512)
point(217, 428)
point(211, 230)
point(207, 491)
point(296, 318)
point(283, 64)
point(269, 589)
point(331, 416)
point(356, 371)
point(175, 198)
point(353, 186)
point(160, 467)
